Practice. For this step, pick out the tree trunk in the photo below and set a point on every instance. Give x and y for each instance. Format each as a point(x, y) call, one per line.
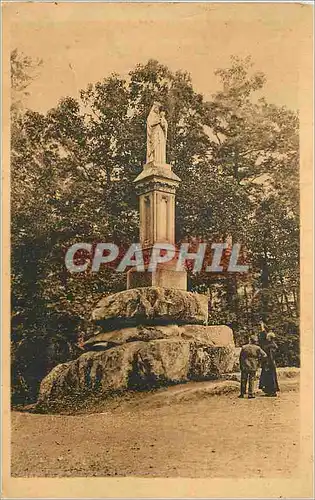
point(265, 279)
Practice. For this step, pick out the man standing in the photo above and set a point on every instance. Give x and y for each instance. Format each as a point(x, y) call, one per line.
point(250, 356)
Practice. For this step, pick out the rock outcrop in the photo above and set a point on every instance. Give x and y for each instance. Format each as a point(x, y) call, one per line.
point(148, 337)
point(220, 335)
point(151, 305)
point(135, 365)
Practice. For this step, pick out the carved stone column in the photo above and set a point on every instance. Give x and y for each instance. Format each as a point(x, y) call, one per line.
point(156, 188)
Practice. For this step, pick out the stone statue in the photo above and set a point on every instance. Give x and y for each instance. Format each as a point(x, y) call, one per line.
point(156, 134)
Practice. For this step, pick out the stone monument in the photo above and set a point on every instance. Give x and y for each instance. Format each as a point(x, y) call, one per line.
point(156, 187)
point(155, 332)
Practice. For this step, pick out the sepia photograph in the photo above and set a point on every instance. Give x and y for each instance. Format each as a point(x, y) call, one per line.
point(157, 249)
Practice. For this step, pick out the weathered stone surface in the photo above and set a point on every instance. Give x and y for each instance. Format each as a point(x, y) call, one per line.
point(163, 277)
point(219, 335)
point(151, 305)
point(135, 365)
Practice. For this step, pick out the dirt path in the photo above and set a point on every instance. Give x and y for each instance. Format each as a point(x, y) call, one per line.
point(164, 435)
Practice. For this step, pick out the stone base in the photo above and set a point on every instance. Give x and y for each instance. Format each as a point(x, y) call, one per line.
point(162, 277)
point(150, 305)
point(135, 366)
point(215, 335)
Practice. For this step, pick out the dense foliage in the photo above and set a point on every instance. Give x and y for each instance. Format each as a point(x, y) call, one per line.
point(71, 179)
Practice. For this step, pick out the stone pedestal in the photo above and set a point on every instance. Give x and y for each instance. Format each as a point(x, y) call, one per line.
point(156, 187)
point(164, 277)
point(150, 337)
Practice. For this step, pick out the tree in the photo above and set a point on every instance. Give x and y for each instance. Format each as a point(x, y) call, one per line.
point(23, 72)
point(255, 146)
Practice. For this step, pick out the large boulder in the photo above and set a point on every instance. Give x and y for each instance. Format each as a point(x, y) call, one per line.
point(218, 335)
point(151, 305)
point(135, 365)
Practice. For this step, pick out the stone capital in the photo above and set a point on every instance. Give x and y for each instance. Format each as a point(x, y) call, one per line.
point(156, 184)
point(156, 177)
point(157, 170)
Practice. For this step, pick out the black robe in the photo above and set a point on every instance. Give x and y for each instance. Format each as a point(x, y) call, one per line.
point(268, 381)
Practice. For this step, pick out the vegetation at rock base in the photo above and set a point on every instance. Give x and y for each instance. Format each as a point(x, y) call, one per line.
point(71, 179)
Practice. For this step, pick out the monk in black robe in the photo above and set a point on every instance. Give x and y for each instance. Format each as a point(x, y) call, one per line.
point(268, 381)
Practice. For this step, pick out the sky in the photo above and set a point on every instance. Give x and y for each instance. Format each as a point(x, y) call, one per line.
point(81, 43)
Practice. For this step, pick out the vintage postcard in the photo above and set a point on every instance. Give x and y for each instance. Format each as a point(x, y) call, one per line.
point(157, 250)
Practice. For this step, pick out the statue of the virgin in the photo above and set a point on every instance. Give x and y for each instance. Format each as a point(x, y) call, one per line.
point(156, 135)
